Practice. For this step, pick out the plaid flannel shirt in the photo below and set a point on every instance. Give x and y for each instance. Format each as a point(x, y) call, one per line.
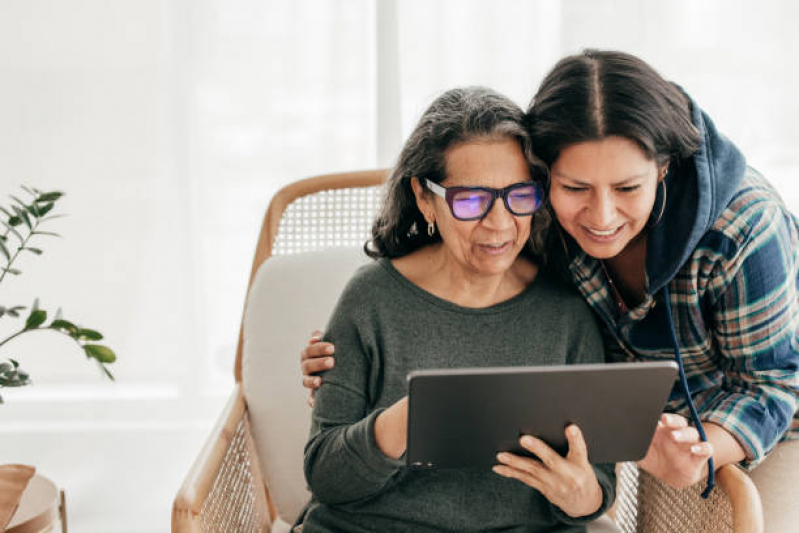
point(736, 317)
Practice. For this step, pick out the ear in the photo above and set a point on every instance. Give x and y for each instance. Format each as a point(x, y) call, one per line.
point(423, 200)
point(662, 171)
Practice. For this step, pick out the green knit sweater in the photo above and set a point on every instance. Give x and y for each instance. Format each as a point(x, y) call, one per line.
point(383, 327)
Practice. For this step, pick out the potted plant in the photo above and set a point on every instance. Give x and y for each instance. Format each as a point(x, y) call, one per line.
point(23, 224)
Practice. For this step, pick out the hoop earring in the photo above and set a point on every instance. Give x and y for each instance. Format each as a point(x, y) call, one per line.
point(662, 204)
point(431, 229)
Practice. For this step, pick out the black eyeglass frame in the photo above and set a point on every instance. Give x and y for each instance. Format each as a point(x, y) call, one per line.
point(448, 194)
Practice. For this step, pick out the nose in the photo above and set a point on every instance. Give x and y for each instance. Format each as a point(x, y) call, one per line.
point(498, 217)
point(602, 210)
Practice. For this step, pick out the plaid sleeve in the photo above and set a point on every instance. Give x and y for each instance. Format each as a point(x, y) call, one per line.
point(756, 316)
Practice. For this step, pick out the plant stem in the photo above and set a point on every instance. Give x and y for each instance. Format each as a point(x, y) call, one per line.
point(21, 247)
point(17, 334)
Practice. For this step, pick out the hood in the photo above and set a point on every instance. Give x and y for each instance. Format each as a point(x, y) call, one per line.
point(698, 188)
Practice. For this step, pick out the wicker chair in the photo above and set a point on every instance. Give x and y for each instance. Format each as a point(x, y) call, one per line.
point(248, 477)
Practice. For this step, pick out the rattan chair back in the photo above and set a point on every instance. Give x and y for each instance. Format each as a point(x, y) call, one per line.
point(330, 211)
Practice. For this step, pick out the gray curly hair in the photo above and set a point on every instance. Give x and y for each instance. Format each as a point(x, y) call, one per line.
point(457, 116)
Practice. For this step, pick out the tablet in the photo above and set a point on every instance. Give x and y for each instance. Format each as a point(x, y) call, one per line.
point(463, 417)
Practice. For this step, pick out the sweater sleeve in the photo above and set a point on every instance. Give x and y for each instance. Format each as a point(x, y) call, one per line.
point(343, 463)
point(756, 321)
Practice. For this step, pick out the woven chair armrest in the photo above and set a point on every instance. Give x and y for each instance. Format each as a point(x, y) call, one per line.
point(224, 488)
point(747, 510)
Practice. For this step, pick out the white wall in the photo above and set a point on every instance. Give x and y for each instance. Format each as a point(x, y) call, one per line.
point(169, 124)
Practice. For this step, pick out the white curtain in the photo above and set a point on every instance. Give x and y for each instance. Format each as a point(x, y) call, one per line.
point(170, 124)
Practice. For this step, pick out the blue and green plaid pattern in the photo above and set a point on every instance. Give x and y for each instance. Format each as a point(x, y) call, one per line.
point(735, 308)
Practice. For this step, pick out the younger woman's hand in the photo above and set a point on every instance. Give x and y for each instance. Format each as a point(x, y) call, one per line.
point(677, 456)
point(313, 359)
point(568, 482)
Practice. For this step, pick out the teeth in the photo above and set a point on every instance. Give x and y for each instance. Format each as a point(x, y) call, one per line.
point(603, 233)
point(495, 245)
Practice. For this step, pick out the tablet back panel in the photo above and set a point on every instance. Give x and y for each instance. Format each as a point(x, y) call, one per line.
point(464, 417)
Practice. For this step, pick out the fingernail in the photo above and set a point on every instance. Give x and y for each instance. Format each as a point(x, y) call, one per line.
point(329, 363)
point(317, 381)
point(527, 440)
point(501, 457)
point(330, 349)
point(677, 435)
point(696, 448)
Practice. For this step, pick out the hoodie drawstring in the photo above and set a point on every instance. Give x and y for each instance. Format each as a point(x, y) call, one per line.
point(711, 474)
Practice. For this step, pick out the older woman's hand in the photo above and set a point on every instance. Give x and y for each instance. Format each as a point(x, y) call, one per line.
point(568, 482)
point(676, 455)
point(313, 359)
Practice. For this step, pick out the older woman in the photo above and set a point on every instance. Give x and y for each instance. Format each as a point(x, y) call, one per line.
point(455, 284)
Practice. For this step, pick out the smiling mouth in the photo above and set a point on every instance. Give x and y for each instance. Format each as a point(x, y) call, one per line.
point(604, 234)
point(496, 247)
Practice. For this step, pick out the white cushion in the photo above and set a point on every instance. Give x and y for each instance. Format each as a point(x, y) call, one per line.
point(290, 297)
point(775, 479)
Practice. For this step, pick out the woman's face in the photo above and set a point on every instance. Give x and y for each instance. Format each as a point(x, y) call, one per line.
point(490, 245)
point(602, 193)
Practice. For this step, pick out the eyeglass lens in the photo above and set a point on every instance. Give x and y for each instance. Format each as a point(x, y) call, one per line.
point(474, 203)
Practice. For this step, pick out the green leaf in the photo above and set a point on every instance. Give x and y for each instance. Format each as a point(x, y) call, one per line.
point(37, 232)
point(89, 335)
point(13, 271)
point(36, 319)
point(43, 210)
point(50, 196)
point(104, 354)
point(10, 227)
point(4, 250)
point(36, 251)
point(28, 190)
point(26, 219)
point(64, 325)
point(22, 215)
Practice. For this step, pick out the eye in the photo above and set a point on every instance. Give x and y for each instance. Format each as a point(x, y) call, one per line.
point(570, 188)
point(629, 188)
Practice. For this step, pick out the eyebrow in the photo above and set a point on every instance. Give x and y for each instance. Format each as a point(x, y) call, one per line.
point(619, 183)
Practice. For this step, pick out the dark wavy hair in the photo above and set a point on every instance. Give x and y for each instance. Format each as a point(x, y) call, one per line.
point(458, 116)
point(596, 94)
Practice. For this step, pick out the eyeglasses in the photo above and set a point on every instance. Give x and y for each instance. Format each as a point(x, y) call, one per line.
point(474, 203)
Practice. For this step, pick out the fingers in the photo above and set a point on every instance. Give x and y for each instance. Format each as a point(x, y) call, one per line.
point(314, 366)
point(309, 401)
point(316, 349)
point(522, 475)
point(541, 450)
point(311, 382)
point(703, 450)
point(578, 451)
point(685, 435)
point(672, 421)
point(316, 336)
